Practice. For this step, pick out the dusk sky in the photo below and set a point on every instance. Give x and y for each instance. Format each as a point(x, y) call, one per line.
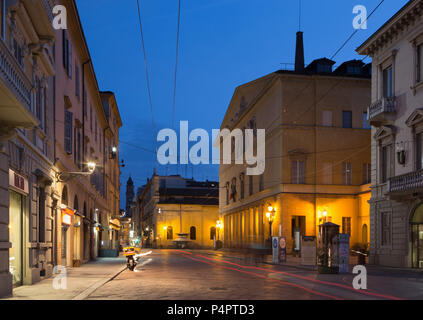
point(223, 44)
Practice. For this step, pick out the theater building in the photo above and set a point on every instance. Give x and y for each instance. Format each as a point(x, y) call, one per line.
point(317, 158)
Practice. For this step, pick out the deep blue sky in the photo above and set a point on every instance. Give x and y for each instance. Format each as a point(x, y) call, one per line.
point(223, 44)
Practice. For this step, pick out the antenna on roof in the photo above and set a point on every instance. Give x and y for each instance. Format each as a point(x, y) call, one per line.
point(299, 15)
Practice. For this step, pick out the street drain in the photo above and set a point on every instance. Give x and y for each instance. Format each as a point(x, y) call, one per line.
point(217, 288)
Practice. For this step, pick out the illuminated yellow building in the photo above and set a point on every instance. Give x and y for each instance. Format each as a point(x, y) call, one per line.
point(170, 205)
point(317, 154)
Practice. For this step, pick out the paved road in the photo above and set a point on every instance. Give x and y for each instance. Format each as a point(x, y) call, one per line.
point(188, 275)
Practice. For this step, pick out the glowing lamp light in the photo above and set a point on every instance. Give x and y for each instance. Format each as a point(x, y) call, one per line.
point(325, 213)
point(91, 166)
point(270, 208)
point(66, 219)
point(267, 214)
point(165, 228)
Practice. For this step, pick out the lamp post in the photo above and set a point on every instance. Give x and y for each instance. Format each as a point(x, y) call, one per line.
point(270, 214)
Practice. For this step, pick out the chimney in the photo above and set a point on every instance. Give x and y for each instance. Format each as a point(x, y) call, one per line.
point(299, 53)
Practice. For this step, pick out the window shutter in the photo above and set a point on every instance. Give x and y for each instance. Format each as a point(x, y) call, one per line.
point(68, 132)
point(77, 82)
point(65, 49)
point(70, 59)
point(294, 173)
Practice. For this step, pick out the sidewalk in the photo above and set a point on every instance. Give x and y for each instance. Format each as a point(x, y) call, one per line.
point(80, 282)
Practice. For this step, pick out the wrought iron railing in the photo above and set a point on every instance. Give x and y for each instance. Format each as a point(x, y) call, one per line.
point(406, 182)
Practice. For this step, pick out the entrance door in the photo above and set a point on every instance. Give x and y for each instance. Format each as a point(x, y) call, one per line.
point(15, 235)
point(64, 244)
point(417, 240)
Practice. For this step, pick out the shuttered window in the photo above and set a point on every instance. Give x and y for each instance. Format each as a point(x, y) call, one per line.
point(67, 54)
point(77, 81)
point(366, 173)
point(68, 132)
point(346, 225)
point(297, 172)
point(347, 173)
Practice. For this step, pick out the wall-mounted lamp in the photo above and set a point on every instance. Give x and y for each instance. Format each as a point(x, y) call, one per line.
point(66, 176)
point(113, 152)
point(400, 150)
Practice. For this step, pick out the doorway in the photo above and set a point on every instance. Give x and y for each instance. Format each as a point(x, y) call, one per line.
point(16, 211)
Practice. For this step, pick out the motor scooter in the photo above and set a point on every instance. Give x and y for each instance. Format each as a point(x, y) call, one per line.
point(131, 259)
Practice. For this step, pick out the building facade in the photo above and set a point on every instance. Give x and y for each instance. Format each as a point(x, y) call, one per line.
point(317, 155)
point(395, 113)
point(170, 205)
point(52, 206)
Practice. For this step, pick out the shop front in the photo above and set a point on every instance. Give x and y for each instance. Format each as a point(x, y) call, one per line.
point(17, 211)
point(416, 225)
point(67, 215)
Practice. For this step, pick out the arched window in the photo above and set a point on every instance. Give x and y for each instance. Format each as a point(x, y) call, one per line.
point(364, 234)
point(75, 203)
point(65, 195)
point(193, 233)
point(169, 233)
point(212, 233)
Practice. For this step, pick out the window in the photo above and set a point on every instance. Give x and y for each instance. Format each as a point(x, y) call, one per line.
point(2, 18)
point(347, 173)
point(18, 52)
point(67, 54)
point(386, 228)
point(169, 233)
point(68, 132)
point(327, 118)
point(420, 63)
point(346, 119)
point(353, 69)
point(95, 132)
point(227, 193)
point(250, 185)
point(192, 233)
point(241, 180)
point(91, 118)
point(324, 68)
point(261, 183)
point(387, 83)
point(419, 149)
point(366, 124)
point(386, 163)
point(346, 225)
point(298, 172)
point(41, 215)
point(212, 233)
point(39, 101)
point(327, 173)
point(366, 173)
point(77, 82)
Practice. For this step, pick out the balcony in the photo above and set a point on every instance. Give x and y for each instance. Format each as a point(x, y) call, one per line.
point(381, 111)
point(15, 92)
point(407, 183)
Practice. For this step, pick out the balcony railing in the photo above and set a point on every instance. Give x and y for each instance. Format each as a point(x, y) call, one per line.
point(14, 76)
point(406, 182)
point(378, 110)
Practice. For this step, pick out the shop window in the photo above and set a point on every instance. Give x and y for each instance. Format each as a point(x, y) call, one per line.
point(169, 233)
point(193, 233)
point(212, 233)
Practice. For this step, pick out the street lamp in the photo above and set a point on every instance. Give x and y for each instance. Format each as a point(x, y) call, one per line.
point(65, 176)
point(270, 214)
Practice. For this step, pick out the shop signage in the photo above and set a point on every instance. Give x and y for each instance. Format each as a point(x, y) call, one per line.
point(344, 253)
point(17, 182)
point(67, 216)
point(308, 251)
point(275, 251)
